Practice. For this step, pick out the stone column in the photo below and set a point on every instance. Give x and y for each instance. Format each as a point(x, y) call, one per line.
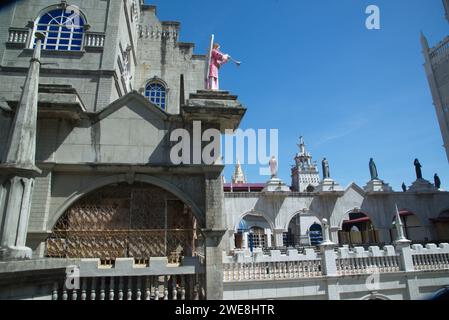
point(405, 255)
point(278, 237)
point(403, 245)
point(214, 231)
point(334, 234)
point(245, 240)
point(19, 166)
point(268, 233)
point(328, 263)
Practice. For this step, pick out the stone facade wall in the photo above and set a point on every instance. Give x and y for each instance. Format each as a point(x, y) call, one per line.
point(95, 74)
point(161, 56)
point(379, 208)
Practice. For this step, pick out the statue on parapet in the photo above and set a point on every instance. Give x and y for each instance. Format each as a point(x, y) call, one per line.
point(214, 61)
point(418, 167)
point(373, 170)
point(325, 167)
point(273, 167)
point(437, 181)
point(217, 59)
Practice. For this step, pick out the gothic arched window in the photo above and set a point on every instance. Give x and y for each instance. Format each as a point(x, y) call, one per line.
point(63, 29)
point(156, 92)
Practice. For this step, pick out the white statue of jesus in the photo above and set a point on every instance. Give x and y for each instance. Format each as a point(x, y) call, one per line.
point(273, 167)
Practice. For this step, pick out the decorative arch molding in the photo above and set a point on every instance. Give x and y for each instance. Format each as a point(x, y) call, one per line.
point(62, 5)
point(374, 220)
point(104, 181)
point(154, 79)
point(164, 94)
point(257, 213)
point(294, 214)
point(375, 296)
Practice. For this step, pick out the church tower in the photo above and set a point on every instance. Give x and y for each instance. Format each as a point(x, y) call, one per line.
point(305, 175)
point(436, 67)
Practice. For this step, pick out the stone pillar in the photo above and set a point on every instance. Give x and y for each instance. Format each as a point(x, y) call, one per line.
point(334, 234)
point(328, 264)
point(412, 287)
point(214, 232)
point(245, 240)
point(403, 245)
point(19, 167)
point(405, 255)
point(278, 237)
point(268, 233)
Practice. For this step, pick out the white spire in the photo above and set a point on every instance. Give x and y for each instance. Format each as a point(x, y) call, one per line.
point(302, 146)
point(446, 9)
point(239, 176)
point(399, 228)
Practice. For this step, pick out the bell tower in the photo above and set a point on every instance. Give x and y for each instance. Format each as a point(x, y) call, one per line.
point(305, 175)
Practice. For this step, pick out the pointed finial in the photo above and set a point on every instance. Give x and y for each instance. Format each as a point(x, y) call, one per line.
point(239, 176)
point(301, 145)
point(424, 42)
point(446, 9)
point(399, 227)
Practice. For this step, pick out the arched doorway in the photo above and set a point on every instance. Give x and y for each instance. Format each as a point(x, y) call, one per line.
point(413, 229)
point(122, 220)
point(358, 229)
point(299, 230)
point(315, 234)
point(253, 231)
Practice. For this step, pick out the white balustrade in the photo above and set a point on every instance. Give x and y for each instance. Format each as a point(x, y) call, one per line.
point(430, 258)
point(129, 288)
point(273, 265)
point(17, 35)
point(94, 39)
point(275, 270)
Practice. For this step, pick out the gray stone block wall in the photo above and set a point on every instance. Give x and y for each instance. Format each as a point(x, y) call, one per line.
point(165, 58)
point(5, 123)
point(96, 88)
point(441, 72)
point(41, 203)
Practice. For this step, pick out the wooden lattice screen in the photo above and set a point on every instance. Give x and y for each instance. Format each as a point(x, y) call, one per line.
point(139, 221)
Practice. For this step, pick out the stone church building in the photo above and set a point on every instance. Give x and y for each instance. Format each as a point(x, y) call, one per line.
point(93, 207)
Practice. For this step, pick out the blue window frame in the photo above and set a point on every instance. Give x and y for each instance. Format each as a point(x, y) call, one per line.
point(156, 93)
point(63, 30)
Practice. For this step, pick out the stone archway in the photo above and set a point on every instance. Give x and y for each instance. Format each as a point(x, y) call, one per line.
point(298, 228)
point(114, 179)
point(357, 228)
point(123, 220)
point(254, 229)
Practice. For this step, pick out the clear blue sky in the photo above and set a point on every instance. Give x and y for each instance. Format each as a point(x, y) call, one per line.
point(311, 68)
